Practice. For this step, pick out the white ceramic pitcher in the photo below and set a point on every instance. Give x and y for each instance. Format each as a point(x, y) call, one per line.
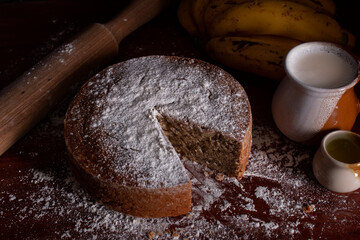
point(304, 111)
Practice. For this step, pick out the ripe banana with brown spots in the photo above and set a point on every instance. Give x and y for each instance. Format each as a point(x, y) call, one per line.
point(197, 9)
point(279, 18)
point(215, 8)
point(185, 17)
point(261, 55)
point(256, 35)
point(323, 6)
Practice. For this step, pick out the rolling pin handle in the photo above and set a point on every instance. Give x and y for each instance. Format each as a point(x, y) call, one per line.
point(33, 95)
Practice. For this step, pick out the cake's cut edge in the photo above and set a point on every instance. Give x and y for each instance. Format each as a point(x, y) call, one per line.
point(208, 147)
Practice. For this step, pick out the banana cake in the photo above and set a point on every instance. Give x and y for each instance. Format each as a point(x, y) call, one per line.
point(130, 125)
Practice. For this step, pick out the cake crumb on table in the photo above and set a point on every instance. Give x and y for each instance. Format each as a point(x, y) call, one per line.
point(219, 176)
point(151, 234)
point(308, 208)
point(175, 234)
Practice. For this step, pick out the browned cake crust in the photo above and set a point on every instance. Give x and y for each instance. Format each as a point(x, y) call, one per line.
point(96, 151)
point(135, 201)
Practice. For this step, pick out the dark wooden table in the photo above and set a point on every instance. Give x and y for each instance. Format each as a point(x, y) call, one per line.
point(278, 197)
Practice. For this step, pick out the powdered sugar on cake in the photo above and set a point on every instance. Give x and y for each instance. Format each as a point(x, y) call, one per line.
point(125, 101)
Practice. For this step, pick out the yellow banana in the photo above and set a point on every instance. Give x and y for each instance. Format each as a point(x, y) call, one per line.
point(281, 18)
point(323, 6)
point(197, 10)
point(185, 17)
point(216, 7)
point(261, 55)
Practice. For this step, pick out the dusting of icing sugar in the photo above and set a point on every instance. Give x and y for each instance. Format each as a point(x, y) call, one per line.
point(126, 98)
point(278, 165)
point(63, 52)
point(67, 48)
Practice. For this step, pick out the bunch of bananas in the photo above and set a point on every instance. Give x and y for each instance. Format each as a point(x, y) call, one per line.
point(256, 35)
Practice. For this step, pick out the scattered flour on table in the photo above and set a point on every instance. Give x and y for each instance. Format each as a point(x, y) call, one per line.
point(221, 209)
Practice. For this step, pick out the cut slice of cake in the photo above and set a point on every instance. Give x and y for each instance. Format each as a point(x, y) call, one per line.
point(127, 126)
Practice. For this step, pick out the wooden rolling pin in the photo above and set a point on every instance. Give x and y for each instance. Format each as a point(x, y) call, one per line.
point(33, 95)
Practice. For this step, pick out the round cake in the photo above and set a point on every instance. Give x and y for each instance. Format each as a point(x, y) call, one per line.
point(130, 125)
